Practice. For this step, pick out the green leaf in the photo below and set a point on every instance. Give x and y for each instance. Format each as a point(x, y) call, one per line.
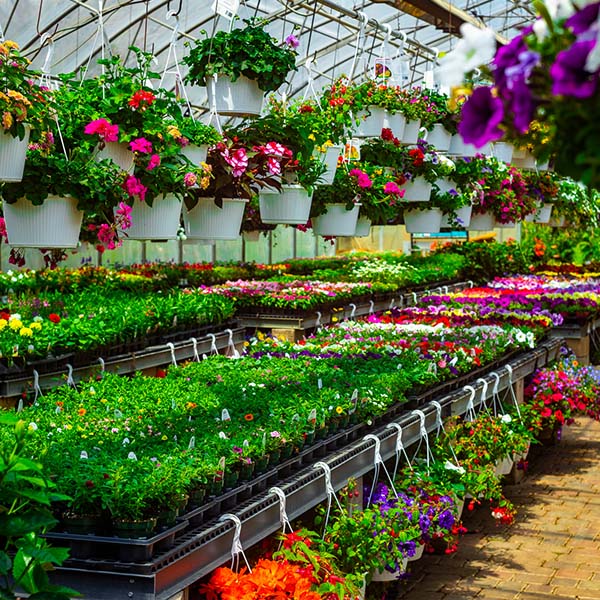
point(5, 563)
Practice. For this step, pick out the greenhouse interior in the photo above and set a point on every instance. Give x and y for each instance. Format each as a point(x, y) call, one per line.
point(299, 299)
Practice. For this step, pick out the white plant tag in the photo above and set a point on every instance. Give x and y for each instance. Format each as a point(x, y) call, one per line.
point(226, 8)
point(132, 456)
point(225, 415)
point(83, 455)
point(222, 435)
point(320, 383)
point(192, 443)
point(312, 416)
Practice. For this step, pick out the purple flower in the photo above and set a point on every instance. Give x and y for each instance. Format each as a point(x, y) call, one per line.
point(507, 57)
point(583, 19)
point(480, 117)
point(446, 520)
point(569, 77)
point(522, 105)
point(292, 41)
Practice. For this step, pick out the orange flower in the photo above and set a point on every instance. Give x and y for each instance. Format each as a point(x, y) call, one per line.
point(249, 417)
point(81, 412)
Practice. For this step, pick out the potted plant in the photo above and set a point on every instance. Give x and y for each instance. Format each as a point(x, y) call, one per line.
point(543, 187)
point(239, 171)
point(194, 138)
point(239, 66)
point(24, 105)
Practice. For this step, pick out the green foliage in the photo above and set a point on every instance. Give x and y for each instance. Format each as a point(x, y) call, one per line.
point(25, 497)
point(249, 51)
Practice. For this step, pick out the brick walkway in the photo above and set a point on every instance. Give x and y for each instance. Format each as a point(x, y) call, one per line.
point(552, 552)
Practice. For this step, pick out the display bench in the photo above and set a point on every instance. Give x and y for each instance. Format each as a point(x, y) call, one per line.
point(295, 327)
point(146, 361)
point(171, 565)
point(580, 337)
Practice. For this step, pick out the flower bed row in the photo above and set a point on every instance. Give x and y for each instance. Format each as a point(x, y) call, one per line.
point(420, 507)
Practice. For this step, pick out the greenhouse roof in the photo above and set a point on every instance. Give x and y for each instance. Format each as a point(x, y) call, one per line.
point(336, 36)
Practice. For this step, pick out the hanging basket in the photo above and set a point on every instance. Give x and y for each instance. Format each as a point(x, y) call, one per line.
point(445, 185)
point(208, 221)
point(195, 154)
point(439, 138)
point(508, 225)
point(423, 221)
point(119, 153)
point(13, 152)
point(239, 98)
point(463, 217)
point(418, 554)
point(527, 161)
point(157, 222)
point(291, 206)
point(336, 221)
point(363, 227)
point(397, 123)
point(542, 214)
point(503, 466)
point(411, 132)
point(54, 224)
point(416, 190)
point(372, 124)
point(459, 148)
point(482, 222)
point(503, 151)
point(330, 160)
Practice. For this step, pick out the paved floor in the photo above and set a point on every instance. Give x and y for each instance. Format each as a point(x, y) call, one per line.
point(553, 549)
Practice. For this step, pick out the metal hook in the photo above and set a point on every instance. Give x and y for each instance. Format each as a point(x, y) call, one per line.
point(175, 13)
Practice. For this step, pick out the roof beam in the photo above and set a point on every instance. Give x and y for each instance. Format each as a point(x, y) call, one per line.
point(440, 13)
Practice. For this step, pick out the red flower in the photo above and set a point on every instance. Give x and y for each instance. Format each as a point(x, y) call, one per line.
point(141, 99)
point(89, 483)
point(54, 317)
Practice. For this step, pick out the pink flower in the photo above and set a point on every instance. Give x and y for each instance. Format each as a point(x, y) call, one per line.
point(141, 145)
point(392, 188)
point(292, 41)
point(106, 236)
point(274, 166)
point(103, 129)
point(275, 149)
point(123, 213)
point(190, 179)
point(134, 187)
point(238, 160)
point(355, 172)
point(364, 181)
point(153, 162)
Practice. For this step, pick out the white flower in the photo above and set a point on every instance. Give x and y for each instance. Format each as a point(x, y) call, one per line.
point(476, 47)
point(506, 419)
point(14, 316)
point(449, 466)
point(32, 426)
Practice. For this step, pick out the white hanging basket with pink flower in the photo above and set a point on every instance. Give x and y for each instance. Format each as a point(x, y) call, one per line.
point(363, 227)
point(54, 224)
point(410, 135)
point(194, 153)
point(423, 221)
point(157, 222)
point(119, 153)
point(482, 221)
point(13, 152)
point(208, 221)
point(291, 206)
point(416, 190)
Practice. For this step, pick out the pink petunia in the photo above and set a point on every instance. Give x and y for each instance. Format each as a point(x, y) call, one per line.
point(364, 181)
point(153, 162)
point(135, 187)
point(391, 187)
point(141, 145)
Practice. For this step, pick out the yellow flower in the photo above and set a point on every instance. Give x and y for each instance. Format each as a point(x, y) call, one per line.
point(3, 324)
point(204, 182)
point(164, 438)
point(25, 332)
point(173, 131)
point(10, 44)
point(339, 410)
point(7, 120)
point(311, 137)
point(15, 324)
point(68, 426)
point(35, 325)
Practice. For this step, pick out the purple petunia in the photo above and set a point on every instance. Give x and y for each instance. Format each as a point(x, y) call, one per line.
point(480, 118)
point(569, 77)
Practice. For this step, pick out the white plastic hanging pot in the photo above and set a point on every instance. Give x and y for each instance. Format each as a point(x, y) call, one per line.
point(371, 124)
point(416, 190)
point(330, 160)
point(411, 132)
point(13, 152)
point(503, 151)
point(157, 222)
point(387, 576)
point(482, 222)
point(119, 153)
point(54, 224)
point(336, 221)
point(445, 185)
point(439, 138)
point(195, 154)
point(418, 553)
point(423, 221)
point(508, 225)
point(210, 222)
point(503, 466)
point(241, 97)
point(542, 214)
point(459, 148)
point(526, 162)
point(291, 206)
point(397, 123)
point(463, 217)
point(363, 227)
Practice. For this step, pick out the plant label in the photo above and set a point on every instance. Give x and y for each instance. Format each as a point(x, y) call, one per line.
point(320, 383)
point(225, 415)
point(83, 455)
point(312, 416)
point(222, 435)
point(226, 8)
point(132, 456)
point(192, 443)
